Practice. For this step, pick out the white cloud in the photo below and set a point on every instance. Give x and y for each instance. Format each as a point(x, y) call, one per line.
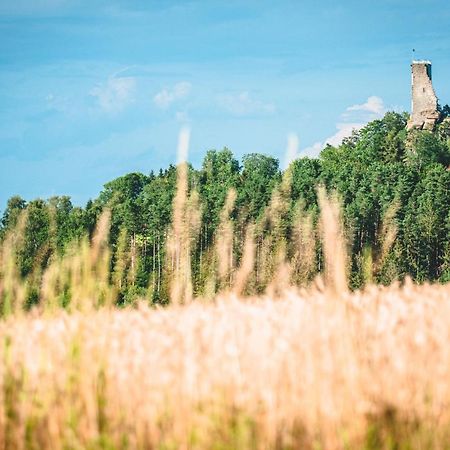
point(166, 97)
point(313, 151)
point(243, 104)
point(114, 95)
point(373, 105)
point(354, 118)
point(344, 130)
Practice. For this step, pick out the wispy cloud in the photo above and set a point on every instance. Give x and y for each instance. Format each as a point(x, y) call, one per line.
point(166, 97)
point(343, 130)
point(353, 118)
point(374, 106)
point(114, 95)
point(243, 104)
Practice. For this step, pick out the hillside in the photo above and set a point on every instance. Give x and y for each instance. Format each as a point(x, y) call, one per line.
point(394, 187)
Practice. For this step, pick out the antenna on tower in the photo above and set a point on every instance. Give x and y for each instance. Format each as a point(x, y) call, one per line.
point(413, 54)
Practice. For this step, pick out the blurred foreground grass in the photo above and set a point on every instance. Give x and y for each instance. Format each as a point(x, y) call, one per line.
point(312, 369)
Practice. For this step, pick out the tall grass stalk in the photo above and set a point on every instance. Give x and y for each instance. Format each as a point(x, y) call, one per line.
point(334, 245)
point(184, 231)
point(224, 242)
point(12, 287)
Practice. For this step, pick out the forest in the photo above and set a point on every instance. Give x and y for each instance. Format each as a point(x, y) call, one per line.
point(393, 186)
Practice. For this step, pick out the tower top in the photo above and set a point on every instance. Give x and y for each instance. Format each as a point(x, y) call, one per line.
point(422, 62)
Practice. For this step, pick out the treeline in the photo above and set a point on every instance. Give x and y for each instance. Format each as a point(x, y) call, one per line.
point(394, 187)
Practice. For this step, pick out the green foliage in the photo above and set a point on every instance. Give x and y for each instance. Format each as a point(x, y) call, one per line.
point(36, 246)
point(305, 173)
point(427, 148)
point(121, 196)
point(12, 212)
point(425, 227)
point(219, 173)
point(259, 177)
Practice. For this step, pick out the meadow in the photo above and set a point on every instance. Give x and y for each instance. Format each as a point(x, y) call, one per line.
point(310, 369)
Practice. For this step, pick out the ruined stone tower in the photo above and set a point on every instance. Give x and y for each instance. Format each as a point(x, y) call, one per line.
point(424, 113)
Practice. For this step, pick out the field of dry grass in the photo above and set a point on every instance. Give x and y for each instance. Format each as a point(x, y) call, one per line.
point(309, 370)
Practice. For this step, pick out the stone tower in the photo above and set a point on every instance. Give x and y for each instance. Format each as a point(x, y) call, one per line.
point(424, 114)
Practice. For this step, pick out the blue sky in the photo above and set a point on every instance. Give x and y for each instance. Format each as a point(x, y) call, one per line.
point(91, 90)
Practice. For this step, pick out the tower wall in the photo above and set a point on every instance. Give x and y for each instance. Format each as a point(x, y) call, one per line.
point(424, 101)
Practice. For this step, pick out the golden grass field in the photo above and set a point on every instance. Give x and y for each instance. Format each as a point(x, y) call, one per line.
point(317, 367)
point(309, 370)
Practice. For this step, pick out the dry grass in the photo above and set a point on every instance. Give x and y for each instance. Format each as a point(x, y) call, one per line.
point(186, 224)
point(311, 370)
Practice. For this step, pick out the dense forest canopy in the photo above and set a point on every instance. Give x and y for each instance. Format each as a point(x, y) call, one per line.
point(385, 176)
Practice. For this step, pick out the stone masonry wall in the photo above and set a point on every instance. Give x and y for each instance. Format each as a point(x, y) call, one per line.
point(424, 101)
